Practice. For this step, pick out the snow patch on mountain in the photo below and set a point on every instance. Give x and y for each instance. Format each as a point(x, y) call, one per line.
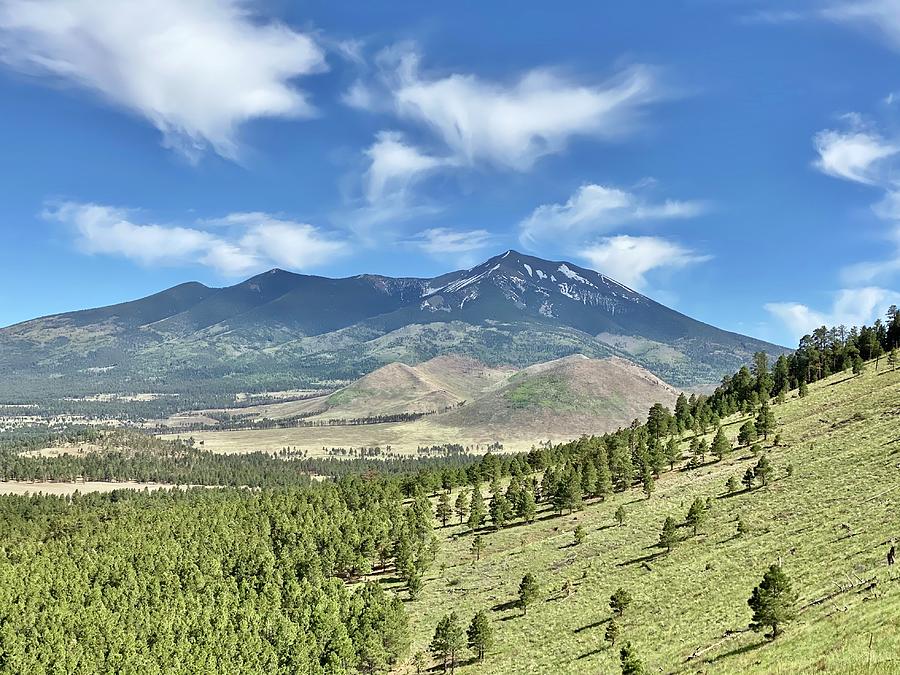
point(459, 284)
point(572, 274)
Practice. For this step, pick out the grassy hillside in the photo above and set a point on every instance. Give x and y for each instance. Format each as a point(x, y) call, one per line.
point(829, 516)
point(557, 400)
point(565, 398)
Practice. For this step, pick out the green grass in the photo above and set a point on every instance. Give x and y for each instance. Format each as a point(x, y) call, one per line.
point(549, 392)
point(552, 392)
point(830, 522)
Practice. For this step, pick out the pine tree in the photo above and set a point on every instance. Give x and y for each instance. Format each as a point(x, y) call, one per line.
point(802, 388)
point(893, 358)
point(721, 446)
point(620, 515)
point(763, 470)
point(526, 509)
point(619, 601)
point(747, 433)
point(462, 506)
point(748, 478)
point(501, 510)
point(859, 366)
point(612, 632)
point(580, 535)
point(477, 512)
point(673, 452)
point(765, 420)
point(631, 664)
point(696, 514)
point(448, 641)
point(732, 485)
point(588, 478)
point(413, 582)
point(668, 536)
point(568, 494)
point(477, 546)
point(443, 511)
point(773, 602)
point(648, 482)
point(480, 634)
point(528, 591)
point(604, 486)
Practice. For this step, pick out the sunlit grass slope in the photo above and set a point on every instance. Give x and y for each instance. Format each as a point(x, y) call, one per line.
point(828, 516)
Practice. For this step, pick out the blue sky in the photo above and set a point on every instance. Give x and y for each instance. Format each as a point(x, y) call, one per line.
point(737, 160)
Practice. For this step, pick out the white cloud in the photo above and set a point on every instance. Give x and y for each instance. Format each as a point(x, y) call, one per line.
point(394, 166)
point(358, 96)
point(512, 125)
point(237, 244)
point(473, 121)
point(864, 156)
point(441, 240)
point(457, 247)
point(629, 259)
point(850, 307)
point(285, 243)
point(196, 70)
point(881, 16)
point(855, 155)
point(597, 209)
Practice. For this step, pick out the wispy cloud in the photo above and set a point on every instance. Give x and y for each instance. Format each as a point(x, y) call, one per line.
point(195, 70)
point(394, 166)
point(856, 155)
point(239, 243)
point(442, 240)
point(850, 307)
point(878, 270)
point(629, 259)
point(597, 209)
point(459, 246)
point(879, 16)
point(513, 124)
point(469, 121)
point(863, 155)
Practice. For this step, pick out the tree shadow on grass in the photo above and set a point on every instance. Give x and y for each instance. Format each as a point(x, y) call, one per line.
point(506, 606)
point(643, 559)
point(596, 624)
point(729, 495)
point(593, 652)
point(737, 651)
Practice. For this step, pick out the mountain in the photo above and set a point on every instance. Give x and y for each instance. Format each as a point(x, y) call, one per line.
point(283, 330)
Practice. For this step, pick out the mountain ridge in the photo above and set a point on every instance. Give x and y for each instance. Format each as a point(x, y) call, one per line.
point(282, 328)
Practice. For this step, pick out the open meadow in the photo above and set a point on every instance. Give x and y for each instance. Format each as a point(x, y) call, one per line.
point(402, 437)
